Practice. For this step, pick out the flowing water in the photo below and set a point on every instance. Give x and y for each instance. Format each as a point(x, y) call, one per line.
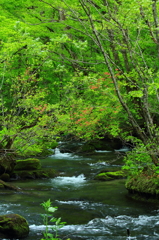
point(93, 210)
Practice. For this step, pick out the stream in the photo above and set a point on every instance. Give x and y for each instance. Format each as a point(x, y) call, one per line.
point(92, 210)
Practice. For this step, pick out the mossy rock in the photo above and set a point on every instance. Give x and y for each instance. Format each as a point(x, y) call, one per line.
point(34, 174)
point(5, 177)
point(107, 176)
point(28, 164)
point(13, 226)
point(117, 174)
point(144, 185)
point(102, 177)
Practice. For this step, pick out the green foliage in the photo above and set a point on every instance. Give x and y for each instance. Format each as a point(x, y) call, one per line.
point(138, 160)
point(92, 106)
point(48, 218)
point(83, 67)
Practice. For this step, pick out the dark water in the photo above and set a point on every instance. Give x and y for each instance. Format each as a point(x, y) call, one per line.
point(93, 210)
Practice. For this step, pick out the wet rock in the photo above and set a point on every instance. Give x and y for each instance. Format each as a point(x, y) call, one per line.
point(13, 226)
point(34, 174)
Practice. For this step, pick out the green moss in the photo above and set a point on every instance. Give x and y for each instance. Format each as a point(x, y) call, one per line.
point(106, 176)
point(14, 225)
point(117, 174)
point(102, 177)
point(144, 185)
point(28, 164)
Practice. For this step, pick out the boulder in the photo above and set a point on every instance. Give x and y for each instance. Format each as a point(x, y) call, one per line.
point(5, 177)
point(34, 174)
point(28, 164)
point(13, 226)
point(31, 169)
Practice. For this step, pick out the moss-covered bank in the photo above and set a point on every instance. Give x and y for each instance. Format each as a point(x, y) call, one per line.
point(144, 187)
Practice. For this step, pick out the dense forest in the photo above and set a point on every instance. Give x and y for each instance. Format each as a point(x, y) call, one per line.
point(84, 67)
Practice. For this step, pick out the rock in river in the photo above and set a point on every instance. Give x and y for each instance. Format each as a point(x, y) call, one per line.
point(13, 226)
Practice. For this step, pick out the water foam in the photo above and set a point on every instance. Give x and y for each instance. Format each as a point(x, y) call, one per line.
point(69, 181)
point(67, 156)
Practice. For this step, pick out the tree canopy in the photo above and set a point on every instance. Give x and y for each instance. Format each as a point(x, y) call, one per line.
point(89, 68)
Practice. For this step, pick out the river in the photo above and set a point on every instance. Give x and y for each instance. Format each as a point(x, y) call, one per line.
point(93, 210)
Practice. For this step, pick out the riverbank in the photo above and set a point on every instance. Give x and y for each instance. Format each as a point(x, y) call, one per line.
point(144, 187)
point(91, 209)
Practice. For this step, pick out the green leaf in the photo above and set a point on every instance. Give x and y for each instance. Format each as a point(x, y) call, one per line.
point(52, 209)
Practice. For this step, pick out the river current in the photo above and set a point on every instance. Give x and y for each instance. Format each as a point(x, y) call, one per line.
point(92, 210)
